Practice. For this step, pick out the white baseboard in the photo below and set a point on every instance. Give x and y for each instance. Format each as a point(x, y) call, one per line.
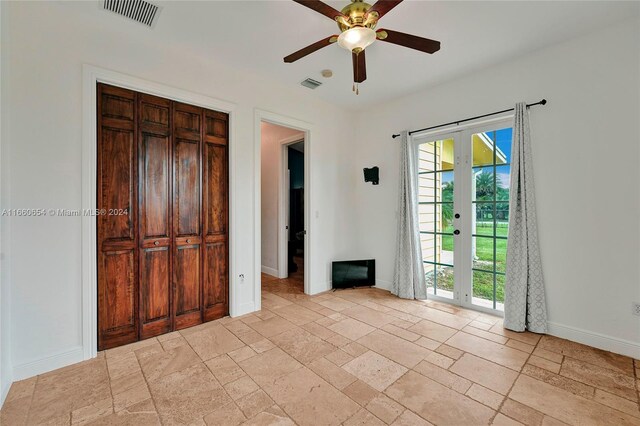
point(597, 340)
point(383, 284)
point(6, 385)
point(50, 363)
point(317, 289)
point(245, 308)
point(270, 271)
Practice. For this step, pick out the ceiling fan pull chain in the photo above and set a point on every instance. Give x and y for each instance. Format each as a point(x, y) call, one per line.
point(353, 88)
point(357, 89)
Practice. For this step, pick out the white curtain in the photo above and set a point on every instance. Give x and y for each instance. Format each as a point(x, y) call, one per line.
point(524, 299)
point(408, 280)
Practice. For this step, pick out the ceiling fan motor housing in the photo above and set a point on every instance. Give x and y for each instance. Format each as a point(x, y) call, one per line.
point(356, 12)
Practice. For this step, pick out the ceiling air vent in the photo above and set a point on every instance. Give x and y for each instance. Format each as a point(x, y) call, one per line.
point(311, 83)
point(138, 10)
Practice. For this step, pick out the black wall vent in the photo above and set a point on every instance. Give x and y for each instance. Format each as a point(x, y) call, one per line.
point(138, 10)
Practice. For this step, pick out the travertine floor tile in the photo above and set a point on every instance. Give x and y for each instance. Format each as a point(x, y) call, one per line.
point(502, 420)
point(272, 326)
point(268, 366)
point(395, 348)
point(269, 419)
point(297, 314)
point(587, 354)
point(254, 403)
point(327, 407)
point(364, 418)
point(601, 377)
point(522, 413)
point(433, 330)
point(564, 406)
point(558, 381)
point(351, 329)
point(228, 414)
point(485, 396)
point(360, 392)
point(302, 345)
point(500, 354)
point(385, 408)
point(375, 370)
point(241, 387)
point(21, 389)
point(544, 363)
point(444, 377)
point(409, 418)
point(369, 316)
point(131, 397)
point(58, 393)
point(450, 352)
point(485, 373)
point(351, 357)
point(224, 369)
point(330, 372)
point(421, 395)
point(187, 395)
point(164, 363)
point(213, 341)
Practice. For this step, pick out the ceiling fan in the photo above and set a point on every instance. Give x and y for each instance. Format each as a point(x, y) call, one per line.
point(357, 22)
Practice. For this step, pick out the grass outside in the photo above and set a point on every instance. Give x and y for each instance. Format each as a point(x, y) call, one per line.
point(482, 281)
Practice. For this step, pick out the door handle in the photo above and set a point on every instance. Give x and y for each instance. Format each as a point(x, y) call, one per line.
point(456, 232)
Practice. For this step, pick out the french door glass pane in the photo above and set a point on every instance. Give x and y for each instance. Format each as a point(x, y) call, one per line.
point(491, 153)
point(482, 251)
point(483, 286)
point(435, 197)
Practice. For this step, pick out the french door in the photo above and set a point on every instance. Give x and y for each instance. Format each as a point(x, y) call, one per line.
point(463, 195)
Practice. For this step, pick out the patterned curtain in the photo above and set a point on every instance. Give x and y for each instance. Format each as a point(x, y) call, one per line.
point(408, 280)
point(524, 299)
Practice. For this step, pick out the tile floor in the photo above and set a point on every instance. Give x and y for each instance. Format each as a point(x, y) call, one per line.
point(353, 357)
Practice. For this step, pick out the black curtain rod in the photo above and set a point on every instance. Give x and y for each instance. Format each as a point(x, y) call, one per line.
point(542, 102)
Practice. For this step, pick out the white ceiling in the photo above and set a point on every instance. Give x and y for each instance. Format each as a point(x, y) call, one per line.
point(256, 35)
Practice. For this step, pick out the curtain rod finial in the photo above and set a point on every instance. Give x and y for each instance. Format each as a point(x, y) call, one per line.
point(543, 102)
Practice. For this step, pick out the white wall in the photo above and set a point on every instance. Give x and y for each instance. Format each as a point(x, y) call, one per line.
point(49, 45)
point(271, 149)
point(586, 149)
point(5, 365)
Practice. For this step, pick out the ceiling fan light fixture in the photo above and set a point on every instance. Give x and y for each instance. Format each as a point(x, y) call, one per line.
point(356, 39)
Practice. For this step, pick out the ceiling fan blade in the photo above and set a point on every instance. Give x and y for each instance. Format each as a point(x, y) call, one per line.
point(310, 49)
point(321, 8)
point(383, 6)
point(359, 67)
point(407, 40)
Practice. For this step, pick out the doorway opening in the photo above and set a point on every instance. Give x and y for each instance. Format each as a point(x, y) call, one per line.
point(283, 193)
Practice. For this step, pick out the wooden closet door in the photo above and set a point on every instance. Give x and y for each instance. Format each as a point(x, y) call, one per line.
point(187, 219)
point(155, 183)
point(215, 212)
point(117, 236)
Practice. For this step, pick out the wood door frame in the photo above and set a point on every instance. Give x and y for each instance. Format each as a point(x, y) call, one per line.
point(91, 76)
point(307, 128)
point(283, 206)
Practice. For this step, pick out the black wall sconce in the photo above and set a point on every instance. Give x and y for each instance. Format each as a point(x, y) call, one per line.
point(372, 175)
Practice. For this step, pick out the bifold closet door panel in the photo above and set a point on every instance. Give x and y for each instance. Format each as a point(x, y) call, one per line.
point(215, 212)
point(116, 229)
point(155, 183)
point(187, 220)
